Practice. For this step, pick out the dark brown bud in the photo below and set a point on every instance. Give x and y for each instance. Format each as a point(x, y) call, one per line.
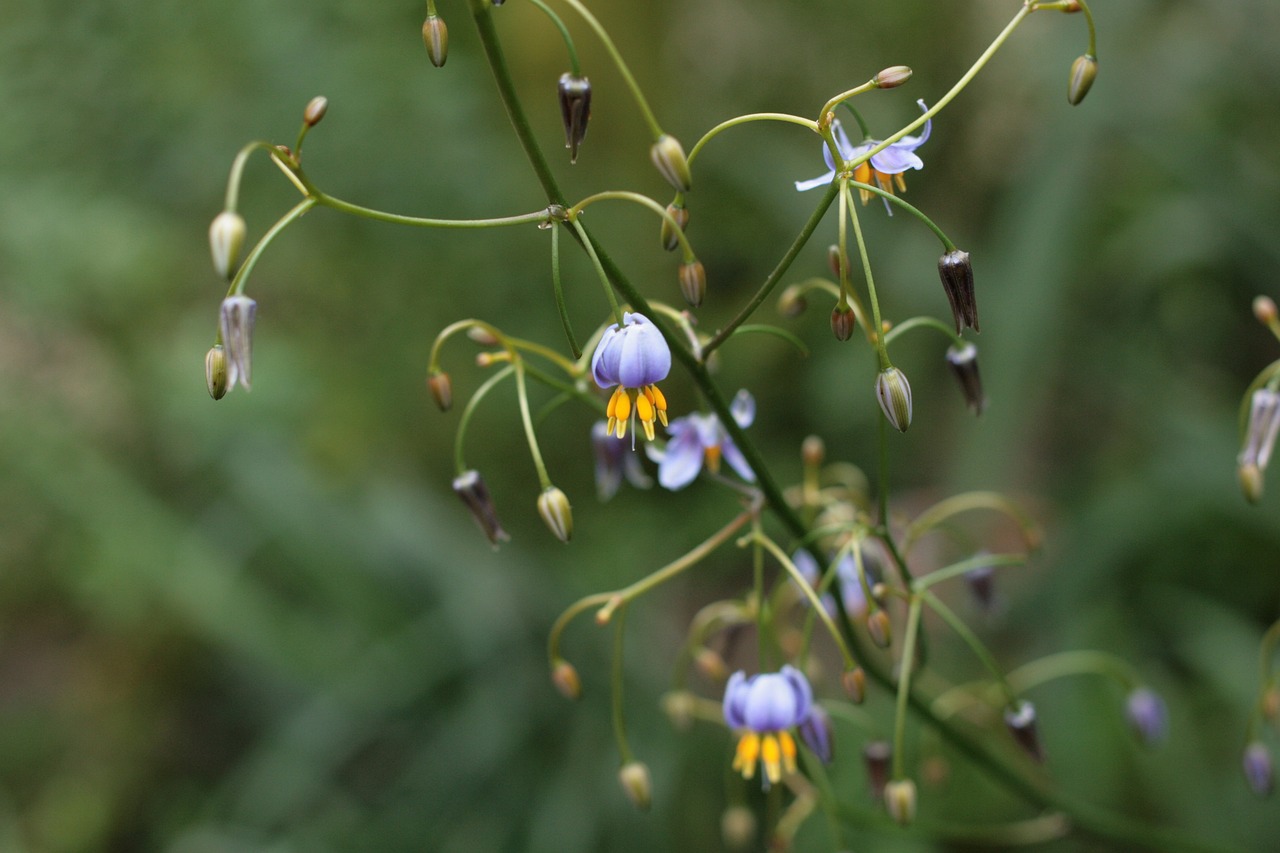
point(875, 757)
point(470, 488)
point(1021, 721)
point(1083, 71)
point(843, 321)
point(671, 237)
point(693, 282)
point(956, 272)
point(833, 259)
point(435, 35)
point(575, 110)
point(316, 108)
point(963, 362)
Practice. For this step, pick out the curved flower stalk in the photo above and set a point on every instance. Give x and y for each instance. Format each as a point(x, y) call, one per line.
point(697, 440)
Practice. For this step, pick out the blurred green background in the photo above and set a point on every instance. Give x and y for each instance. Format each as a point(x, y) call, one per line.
point(266, 625)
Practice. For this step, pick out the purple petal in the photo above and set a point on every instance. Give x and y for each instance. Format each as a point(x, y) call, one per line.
point(803, 691)
point(817, 733)
point(604, 362)
point(682, 459)
point(731, 454)
point(771, 704)
point(743, 408)
point(645, 357)
point(735, 696)
point(821, 181)
point(894, 161)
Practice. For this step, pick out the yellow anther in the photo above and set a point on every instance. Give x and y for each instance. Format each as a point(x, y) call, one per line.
point(621, 404)
point(788, 744)
point(611, 411)
point(659, 402)
point(901, 182)
point(644, 407)
point(747, 754)
point(771, 758)
point(713, 458)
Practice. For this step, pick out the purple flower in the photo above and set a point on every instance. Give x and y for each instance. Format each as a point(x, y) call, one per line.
point(697, 439)
point(613, 462)
point(1148, 715)
point(765, 708)
point(851, 590)
point(884, 168)
point(818, 734)
point(634, 357)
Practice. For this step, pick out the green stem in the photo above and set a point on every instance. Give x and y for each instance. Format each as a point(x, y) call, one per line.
point(979, 561)
point(923, 322)
point(619, 722)
point(537, 217)
point(561, 308)
point(585, 240)
point(970, 639)
point(522, 394)
point(906, 666)
point(877, 327)
point(814, 601)
point(645, 201)
point(237, 170)
point(909, 208)
point(612, 49)
point(458, 459)
point(564, 34)
point(242, 275)
point(741, 120)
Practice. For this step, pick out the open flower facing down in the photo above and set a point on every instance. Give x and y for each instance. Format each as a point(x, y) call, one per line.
point(701, 439)
point(765, 708)
point(634, 357)
point(613, 462)
point(884, 169)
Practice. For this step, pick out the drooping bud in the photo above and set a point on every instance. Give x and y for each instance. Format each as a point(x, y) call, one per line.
point(791, 302)
point(565, 677)
point(813, 451)
point(964, 367)
point(693, 282)
point(680, 706)
point(556, 513)
point(1147, 715)
point(854, 682)
point(634, 778)
point(1251, 483)
point(236, 322)
point(880, 628)
point(226, 239)
point(956, 272)
point(875, 757)
point(1021, 721)
point(1271, 703)
point(893, 392)
point(668, 157)
point(470, 488)
point(482, 336)
point(316, 108)
point(1083, 71)
point(738, 827)
point(1259, 441)
point(982, 583)
point(818, 734)
point(1259, 771)
point(843, 322)
point(671, 237)
point(893, 76)
point(1264, 308)
point(575, 110)
point(900, 800)
point(441, 389)
point(215, 371)
point(435, 35)
point(833, 259)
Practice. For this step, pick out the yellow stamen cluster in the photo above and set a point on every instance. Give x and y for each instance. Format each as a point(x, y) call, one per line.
point(649, 405)
point(865, 173)
point(774, 751)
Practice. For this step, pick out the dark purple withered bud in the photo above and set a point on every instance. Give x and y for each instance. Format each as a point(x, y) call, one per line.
point(963, 362)
point(818, 734)
point(843, 321)
point(470, 488)
point(1258, 768)
point(670, 236)
point(575, 110)
point(956, 272)
point(875, 756)
point(982, 583)
point(1021, 720)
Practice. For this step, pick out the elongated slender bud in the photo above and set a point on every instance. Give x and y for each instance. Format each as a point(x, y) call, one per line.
point(671, 237)
point(435, 35)
point(880, 628)
point(441, 389)
point(634, 778)
point(854, 682)
point(1021, 721)
point(470, 488)
point(556, 513)
point(1083, 72)
point(956, 272)
point(893, 392)
point(226, 239)
point(575, 109)
point(565, 678)
point(693, 282)
point(791, 302)
point(900, 800)
point(982, 584)
point(215, 371)
point(875, 758)
point(668, 157)
point(843, 322)
point(236, 321)
point(893, 76)
point(963, 362)
point(316, 108)
point(834, 260)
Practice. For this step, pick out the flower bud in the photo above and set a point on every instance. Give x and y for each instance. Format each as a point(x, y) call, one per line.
point(880, 628)
point(791, 302)
point(843, 322)
point(679, 706)
point(671, 237)
point(565, 677)
point(956, 272)
point(316, 108)
point(693, 282)
point(1259, 440)
point(226, 239)
point(1271, 704)
point(894, 395)
point(900, 800)
point(215, 371)
point(964, 367)
point(668, 157)
point(1071, 6)
point(634, 778)
point(982, 583)
point(482, 336)
point(470, 488)
point(1083, 70)
point(1258, 768)
point(1147, 715)
point(441, 389)
point(833, 259)
point(236, 323)
point(1251, 483)
point(711, 664)
point(818, 734)
point(813, 451)
point(893, 76)
point(1264, 308)
point(575, 110)
point(854, 682)
point(1021, 721)
point(875, 757)
point(738, 827)
point(435, 35)
point(554, 508)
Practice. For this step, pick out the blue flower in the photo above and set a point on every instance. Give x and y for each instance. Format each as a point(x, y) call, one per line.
point(851, 590)
point(633, 357)
point(884, 168)
point(613, 462)
point(765, 708)
point(697, 439)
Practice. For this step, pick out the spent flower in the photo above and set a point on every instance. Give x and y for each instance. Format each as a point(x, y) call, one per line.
point(575, 109)
point(236, 324)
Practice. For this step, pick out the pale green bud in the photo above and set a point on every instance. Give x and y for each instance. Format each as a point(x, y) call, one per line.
point(1083, 71)
point(900, 800)
point(668, 157)
point(565, 677)
point(738, 827)
point(693, 282)
point(894, 395)
point(554, 508)
point(316, 108)
point(634, 778)
point(226, 239)
point(670, 236)
point(215, 371)
point(893, 76)
point(435, 35)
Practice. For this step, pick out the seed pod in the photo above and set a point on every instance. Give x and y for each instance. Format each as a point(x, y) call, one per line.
point(668, 157)
point(575, 110)
point(893, 392)
point(556, 513)
point(956, 272)
point(435, 35)
point(236, 320)
point(1083, 71)
point(693, 282)
point(671, 237)
point(964, 366)
point(470, 488)
point(215, 371)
